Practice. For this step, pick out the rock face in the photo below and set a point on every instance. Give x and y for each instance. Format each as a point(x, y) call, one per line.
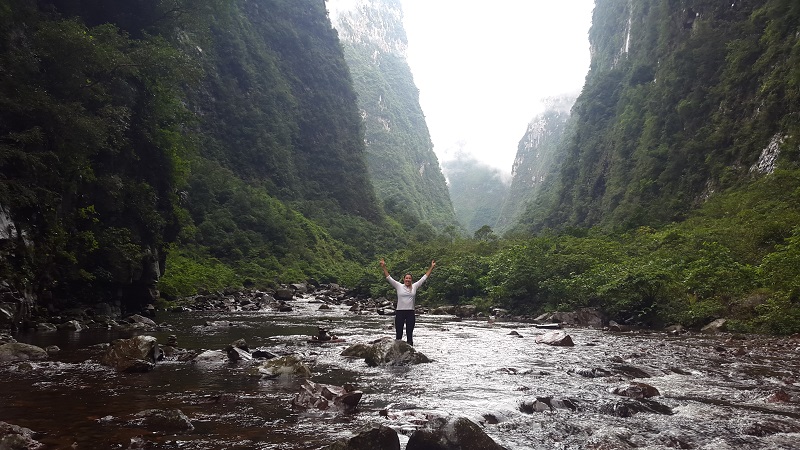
point(451, 433)
point(386, 351)
point(137, 354)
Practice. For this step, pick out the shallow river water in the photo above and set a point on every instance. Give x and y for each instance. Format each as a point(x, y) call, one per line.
point(716, 392)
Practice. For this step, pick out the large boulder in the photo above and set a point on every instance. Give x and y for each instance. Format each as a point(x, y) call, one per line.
point(386, 351)
point(17, 351)
point(377, 438)
point(137, 354)
point(451, 433)
point(284, 294)
point(557, 338)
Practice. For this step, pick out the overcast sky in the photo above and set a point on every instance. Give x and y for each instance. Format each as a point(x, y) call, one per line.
point(482, 68)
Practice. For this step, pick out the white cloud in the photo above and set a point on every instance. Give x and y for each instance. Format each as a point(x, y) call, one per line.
point(483, 68)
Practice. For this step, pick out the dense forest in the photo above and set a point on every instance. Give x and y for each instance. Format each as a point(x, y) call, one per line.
point(220, 139)
point(154, 150)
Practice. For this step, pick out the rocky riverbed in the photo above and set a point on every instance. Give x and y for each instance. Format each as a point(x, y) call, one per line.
point(252, 371)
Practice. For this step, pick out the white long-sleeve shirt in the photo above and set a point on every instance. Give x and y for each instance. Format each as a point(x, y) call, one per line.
point(406, 296)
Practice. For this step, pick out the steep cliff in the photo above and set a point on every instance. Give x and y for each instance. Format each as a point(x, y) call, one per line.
point(402, 164)
point(219, 139)
point(538, 161)
point(683, 99)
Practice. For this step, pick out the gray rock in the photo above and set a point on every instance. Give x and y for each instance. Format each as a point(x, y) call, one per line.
point(717, 326)
point(377, 438)
point(137, 354)
point(284, 294)
point(451, 433)
point(13, 437)
point(163, 420)
point(557, 338)
point(636, 390)
point(70, 325)
point(386, 351)
point(326, 396)
point(17, 351)
point(284, 366)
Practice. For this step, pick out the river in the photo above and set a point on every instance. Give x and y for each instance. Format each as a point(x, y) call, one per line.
point(716, 392)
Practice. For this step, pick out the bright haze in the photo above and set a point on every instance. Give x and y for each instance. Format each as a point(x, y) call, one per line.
point(483, 68)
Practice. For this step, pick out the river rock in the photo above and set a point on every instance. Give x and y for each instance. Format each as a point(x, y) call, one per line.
point(675, 329)
point(768, 427)
point(137, 354)
point(779, 396)
point(14, 437)
point(548, 326)
point(717, 326)
point(163, 420)
point(284, 366)
point(586, 372)
point(541, 404)
point(71, 325)
point(238, 350)
point(238, 354)
point(386, 351)
point(377, 438)
point(558, 338)
point(17, 351)
point(630, 371)
point(211, 357)
point(45, 326)
point(140, 319)
point(636, 390)
point(326, 396)
point(284, 294)
point(627, 408)
point(451, 433)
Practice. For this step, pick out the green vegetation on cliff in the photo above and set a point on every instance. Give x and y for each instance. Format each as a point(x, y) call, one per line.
point(681, 101)
point(221, 139)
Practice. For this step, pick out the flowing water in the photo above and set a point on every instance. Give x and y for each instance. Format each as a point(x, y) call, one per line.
point(715, 392)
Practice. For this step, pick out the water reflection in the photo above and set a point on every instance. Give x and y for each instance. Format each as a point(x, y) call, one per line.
point(714, 387)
